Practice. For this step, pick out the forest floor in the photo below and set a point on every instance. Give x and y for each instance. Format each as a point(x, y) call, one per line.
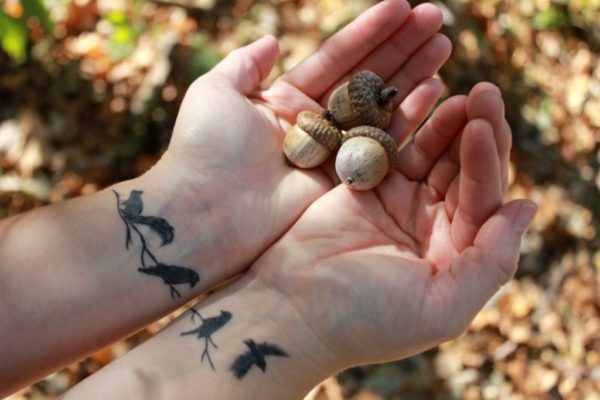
point(94, 103)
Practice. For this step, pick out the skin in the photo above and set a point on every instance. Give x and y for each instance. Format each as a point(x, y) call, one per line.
point(361, 277)
point(243, 164)
point(222, 184)
point(415, 263)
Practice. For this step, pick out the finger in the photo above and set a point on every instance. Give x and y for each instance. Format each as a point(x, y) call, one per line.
point(345, 49)
point(451, 198)
point(443, 177)
point(479, 193)
point(245, 68)
point(423, 64)
point(287, 100)
point(485, 102)
point(414, 109)
point(433, 139)
point(423, 22)
point(477, 274)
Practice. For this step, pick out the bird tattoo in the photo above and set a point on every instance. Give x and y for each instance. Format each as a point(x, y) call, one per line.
point(133, 206)
point(255, 356)
point(173, 275)
point(130, 211)
point(205, 331)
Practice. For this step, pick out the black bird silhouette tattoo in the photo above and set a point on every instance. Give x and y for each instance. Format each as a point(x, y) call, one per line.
point(255, 356)
point(130, 211)
point(208, 327)
point(133, 206)
point(173, 275)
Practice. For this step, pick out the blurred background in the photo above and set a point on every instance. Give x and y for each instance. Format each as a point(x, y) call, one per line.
point(89, 90)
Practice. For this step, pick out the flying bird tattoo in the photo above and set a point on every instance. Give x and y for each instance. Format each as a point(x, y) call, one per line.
point(205, 331)
point(255, 356)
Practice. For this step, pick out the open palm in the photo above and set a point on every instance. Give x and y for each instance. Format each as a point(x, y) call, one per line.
point(227, 143)
point(384, 274)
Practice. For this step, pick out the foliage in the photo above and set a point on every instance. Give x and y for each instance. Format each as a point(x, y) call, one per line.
point(13, 37)
point(14, 30)
point(551, 18)
point(124, 36)
point(100, 105)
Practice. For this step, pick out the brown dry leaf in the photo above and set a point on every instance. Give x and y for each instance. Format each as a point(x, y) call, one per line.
point(102, 357)
point(540, 379)
point(538, 336)
point(28, 147)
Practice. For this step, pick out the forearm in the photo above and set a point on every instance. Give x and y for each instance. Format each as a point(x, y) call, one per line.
point(211, 357)
point(72, 282)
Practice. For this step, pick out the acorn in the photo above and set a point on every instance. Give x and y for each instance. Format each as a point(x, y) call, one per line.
point(362, 101)
point(365, 157)
point(311, 140)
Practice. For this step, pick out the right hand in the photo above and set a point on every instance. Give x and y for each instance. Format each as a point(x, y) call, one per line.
point(384, 274)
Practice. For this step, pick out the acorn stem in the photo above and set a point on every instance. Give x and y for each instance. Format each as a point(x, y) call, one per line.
point(386, 95)
point(327, 115)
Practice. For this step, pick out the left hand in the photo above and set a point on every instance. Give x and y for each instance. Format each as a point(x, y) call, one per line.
point(225, 160)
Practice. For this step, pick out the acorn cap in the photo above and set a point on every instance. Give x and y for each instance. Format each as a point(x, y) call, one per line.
point(320, 128)
point(386, 141)
point(371, 102)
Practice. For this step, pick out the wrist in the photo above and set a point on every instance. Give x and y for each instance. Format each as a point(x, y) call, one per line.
point(261, 316)
point(197, 217)
point(282, 323)
point(183, 362)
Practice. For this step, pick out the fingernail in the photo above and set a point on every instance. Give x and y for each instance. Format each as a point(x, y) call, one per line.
point(524, 217)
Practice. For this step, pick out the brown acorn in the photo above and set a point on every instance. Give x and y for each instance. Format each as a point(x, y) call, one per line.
point(366, 156)
point(362, 101)
point(311, 141)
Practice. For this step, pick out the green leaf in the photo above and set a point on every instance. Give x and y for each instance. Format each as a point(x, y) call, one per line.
point(551, 18)
point(123, 34)
point(13, 37)
point(203, 57)
point(124, 37)
point(36, 8)
point(117, 18)
point(122, 42)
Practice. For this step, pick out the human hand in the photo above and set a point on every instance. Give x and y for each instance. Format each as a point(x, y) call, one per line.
point(384, 274)
point(361, 277)
point(225, 158)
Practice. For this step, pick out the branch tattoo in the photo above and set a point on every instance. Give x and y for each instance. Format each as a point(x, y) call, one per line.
point(255, 355)
point(130, 211)
point(206, 329)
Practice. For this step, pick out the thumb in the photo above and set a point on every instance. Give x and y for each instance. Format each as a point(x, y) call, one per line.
point(482, 269)
point(500, 237)
point(245, 68)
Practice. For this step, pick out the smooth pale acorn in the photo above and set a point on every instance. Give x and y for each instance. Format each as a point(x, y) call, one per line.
point(362, 101)
point(365, 157)
point(311, 140)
